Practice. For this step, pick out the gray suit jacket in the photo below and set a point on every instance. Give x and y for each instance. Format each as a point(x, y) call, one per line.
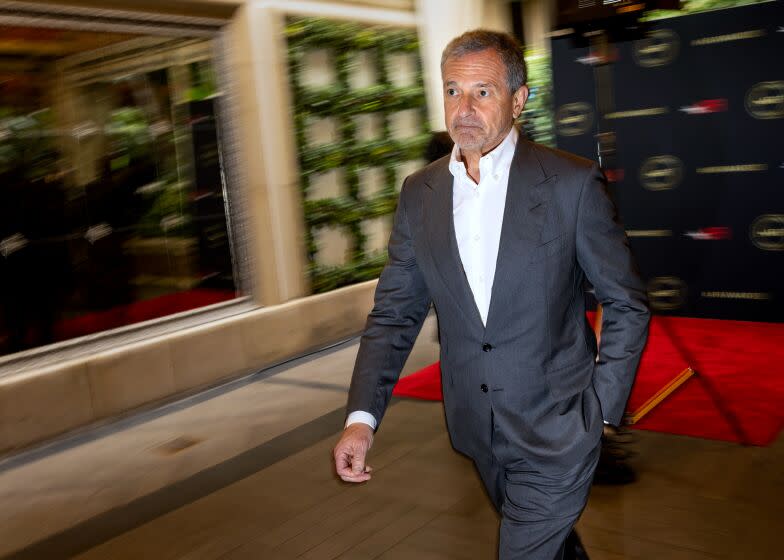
point(528, 385)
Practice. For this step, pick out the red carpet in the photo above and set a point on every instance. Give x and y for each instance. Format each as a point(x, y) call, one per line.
point(139, 311)
point(738, 394)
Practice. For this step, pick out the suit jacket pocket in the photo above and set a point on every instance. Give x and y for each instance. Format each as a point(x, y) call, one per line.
point(549, 248)
point(569, 380)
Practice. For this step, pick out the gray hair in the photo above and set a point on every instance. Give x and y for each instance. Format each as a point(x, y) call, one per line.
point(507, 47)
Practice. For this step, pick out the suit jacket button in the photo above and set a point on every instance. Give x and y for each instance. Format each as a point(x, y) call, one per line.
point(484, 388)
point(487, 347)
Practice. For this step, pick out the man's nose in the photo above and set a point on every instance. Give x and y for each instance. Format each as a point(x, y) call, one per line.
point(465, 106)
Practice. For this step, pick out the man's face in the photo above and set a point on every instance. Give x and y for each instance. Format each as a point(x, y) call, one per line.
point(478, 105)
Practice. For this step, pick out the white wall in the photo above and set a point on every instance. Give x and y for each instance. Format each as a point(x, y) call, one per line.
point(538, 19)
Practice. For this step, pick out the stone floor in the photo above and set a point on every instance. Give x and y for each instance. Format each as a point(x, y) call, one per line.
point(244, 471)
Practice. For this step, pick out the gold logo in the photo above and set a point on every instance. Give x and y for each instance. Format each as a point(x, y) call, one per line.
point(648, 233)
point(659, 48)
point(743, 168)
point(650, 111)
point(666, 293)
point(661, 173)
point(767, 232)
point(753, 34)
point(574, 119)
point(766, 100)
point(737, 295)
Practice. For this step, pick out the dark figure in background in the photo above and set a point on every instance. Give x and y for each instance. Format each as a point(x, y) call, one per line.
point(440, 145)
point(112, 201)
point(500, 237)
point(35, 271)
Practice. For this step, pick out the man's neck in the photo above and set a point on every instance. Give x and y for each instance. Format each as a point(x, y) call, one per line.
point(470, 158)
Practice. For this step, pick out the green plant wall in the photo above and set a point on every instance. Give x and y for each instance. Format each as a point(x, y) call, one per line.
point(348, 153)
point(537, 117)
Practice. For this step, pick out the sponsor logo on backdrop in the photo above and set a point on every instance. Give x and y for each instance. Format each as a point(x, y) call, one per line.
point(593, 58)
point(767, 232)
point(647, 112)
point(590, 59)
point(737, 295)
point(659, 48)
point(728, 37)
point(741, 168)
point(12, 244)
point(710, 234)
point(666, 293)
point(705, 107)
point(765, 100)
point(573, 119)
point(661, 173)
point(648, 233)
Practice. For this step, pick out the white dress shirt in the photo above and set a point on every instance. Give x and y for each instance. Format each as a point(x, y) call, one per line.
point(478, 211)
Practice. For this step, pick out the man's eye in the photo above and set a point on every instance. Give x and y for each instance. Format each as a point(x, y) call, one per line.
point(483, 93)
point(451, 91)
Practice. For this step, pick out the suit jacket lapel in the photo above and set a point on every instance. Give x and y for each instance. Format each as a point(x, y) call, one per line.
point(440, 227)
point(527, 195)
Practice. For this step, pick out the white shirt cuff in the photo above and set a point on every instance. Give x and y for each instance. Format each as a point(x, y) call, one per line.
point(361, 416)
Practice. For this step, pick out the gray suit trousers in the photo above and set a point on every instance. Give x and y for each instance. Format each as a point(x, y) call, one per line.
point(538, 509)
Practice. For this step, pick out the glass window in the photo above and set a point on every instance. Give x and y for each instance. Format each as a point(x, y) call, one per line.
point(112, 207)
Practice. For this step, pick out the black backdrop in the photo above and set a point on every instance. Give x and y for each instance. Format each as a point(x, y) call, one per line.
point(698, 175)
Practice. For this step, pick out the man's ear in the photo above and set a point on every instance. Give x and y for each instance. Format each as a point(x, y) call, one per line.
point(518, 100)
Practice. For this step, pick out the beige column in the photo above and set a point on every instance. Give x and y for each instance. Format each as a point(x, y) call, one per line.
point(497, 15)
point(267, 154)
point(538, 20)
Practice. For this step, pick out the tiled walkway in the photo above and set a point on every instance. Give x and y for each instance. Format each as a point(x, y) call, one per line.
point(244, 472)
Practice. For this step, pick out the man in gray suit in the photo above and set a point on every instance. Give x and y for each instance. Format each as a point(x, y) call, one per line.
point(500, 237)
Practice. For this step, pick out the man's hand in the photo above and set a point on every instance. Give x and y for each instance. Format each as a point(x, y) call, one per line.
point(351, 451)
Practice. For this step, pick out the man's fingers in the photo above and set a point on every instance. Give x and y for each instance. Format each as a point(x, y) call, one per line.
point(363, 477)
point(343, 464)
point(358, 463)
point(350, 456)
point(352, 466)
point(351, 476)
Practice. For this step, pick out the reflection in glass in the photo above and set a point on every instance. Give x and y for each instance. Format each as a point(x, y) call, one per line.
point(112, 203)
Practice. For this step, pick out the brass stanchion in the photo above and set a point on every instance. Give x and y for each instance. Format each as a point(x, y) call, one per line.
point(661, 394)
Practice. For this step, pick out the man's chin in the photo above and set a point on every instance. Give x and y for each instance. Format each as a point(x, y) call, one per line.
point(468, 141)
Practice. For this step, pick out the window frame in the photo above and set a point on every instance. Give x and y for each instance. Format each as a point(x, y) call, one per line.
point(159, 25)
